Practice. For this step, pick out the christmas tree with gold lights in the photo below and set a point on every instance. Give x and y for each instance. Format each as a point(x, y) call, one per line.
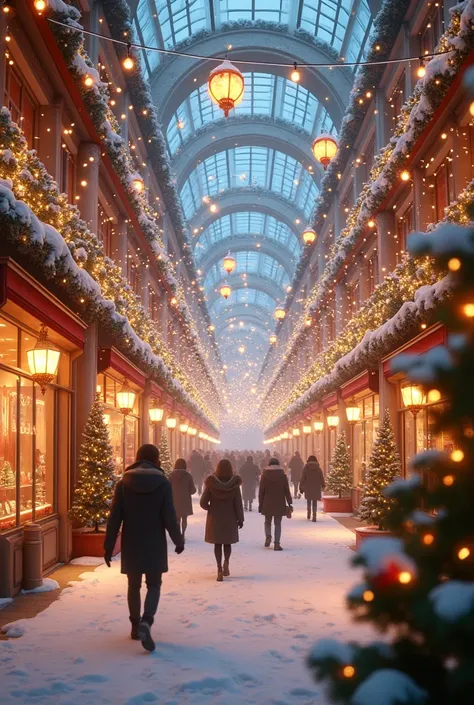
point(384, 468)
point(94, 490)
point(339, 479)
point(166, 461)
point(418, 585)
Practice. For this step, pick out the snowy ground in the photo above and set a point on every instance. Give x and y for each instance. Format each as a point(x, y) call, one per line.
point(241, 642)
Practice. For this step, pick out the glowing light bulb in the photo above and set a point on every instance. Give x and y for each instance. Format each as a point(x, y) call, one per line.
point(421, 73)
point(464, 553)
point(405, 577)
point(428, 539)
point(468, 310)
point(405, 175)
point(371, 223)
point(40, 5)
point(348, 671)
point(295, 75)
point(448, 480)
point(457, 456)
point(128, 63)
point(88, 81)
point(368, 596)
point(434, 395)
point(454, 264)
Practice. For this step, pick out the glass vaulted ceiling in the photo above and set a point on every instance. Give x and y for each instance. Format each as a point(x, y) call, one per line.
point(343, 24)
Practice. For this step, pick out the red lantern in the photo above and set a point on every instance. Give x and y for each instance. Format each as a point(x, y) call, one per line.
point(226, 86)
point(324, 149)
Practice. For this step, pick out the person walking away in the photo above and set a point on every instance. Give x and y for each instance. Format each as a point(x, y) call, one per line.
point(222, 501)
point(274, 500)
point(265, 461)
point(197, 469)
point(296, 465)
point(183, 487)
point(249, 472)
point(208, 466)
point(312, 484)
point(143, 508)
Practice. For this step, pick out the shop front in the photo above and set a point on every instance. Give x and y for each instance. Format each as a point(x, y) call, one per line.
point(35, 427)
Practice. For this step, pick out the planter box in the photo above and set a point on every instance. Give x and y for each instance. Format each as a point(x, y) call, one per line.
point(337, 505)
point(90, 543)
point(369, 532)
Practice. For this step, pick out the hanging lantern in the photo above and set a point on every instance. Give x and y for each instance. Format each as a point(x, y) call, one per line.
point(138, 184)
point(296, 432)
point(183, 427)
point(309, 236)
point(279, 313)
point(272, 339)
point(229, 264)
point(324, 149)
point(413, 397)
point(43, 360)
point(226, 86)
point(171, 424)
point(318, 426)
point(155, 414)
point(225, 291)
point(193, 431)
point(353, 412)
point(285, 435)
point(306, 430)
point(126, 399)
point(333, 421)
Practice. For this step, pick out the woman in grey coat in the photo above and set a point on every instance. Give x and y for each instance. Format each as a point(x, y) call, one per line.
point(183, 487)
point(222, 501)
point(312, 484)
point(274, 500)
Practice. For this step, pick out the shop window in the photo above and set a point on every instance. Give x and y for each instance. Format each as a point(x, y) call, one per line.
point(397, 99)
point(105, 230)
point(444, 187)
point(365, 433)
point(123, 430)
point(405, 226)
point(431, 30)
point(8, 343)
point(373, 272)
point(20, 103)
point(68, 174)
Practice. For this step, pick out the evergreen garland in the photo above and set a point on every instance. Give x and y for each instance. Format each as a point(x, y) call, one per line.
point(339, 480)
point(384, 468)
point(93, 492)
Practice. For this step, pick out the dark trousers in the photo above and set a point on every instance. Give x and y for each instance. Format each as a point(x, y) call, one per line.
point(153, 584)
point(312, 506)
point(248, 504)
point(296, 488)
point(268, 527)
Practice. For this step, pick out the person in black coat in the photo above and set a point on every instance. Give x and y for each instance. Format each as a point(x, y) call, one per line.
point(143, 507)
point(312, 484)
point(249, 472)
point(296, 469)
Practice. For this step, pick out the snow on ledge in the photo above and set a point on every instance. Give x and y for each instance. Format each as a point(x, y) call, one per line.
point(49, 585)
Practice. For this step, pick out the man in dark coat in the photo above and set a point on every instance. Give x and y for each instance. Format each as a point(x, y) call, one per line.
point(274, 500)
point(143, 507)
point(249, 472)
point(197, 468)
point(296, 469)
point(312, 484)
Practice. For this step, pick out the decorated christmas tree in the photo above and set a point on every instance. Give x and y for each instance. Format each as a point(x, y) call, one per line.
point(418, 587)
point(165, 455)
point(7, 476)
point(384, 468)
point(339, 480)
point(94, 490)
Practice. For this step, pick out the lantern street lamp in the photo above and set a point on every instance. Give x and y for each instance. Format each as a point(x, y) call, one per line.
point(414, 399)
point(296, 432)
point(183, 427)
point(225, 291)
point(353, 416)
point(279, 313)
point(324, 149)
point(306, 432)
point(171, 424)
point(126, 399)
point(333, 421)
point(229, 264)
point(318, 426)
point(155, 413)
point(226, 86)
point(43, 360)
point(138, 184)
point(309, 236)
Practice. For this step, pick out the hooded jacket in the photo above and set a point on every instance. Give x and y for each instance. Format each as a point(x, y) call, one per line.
point(143, 507)
point(183, 487)
point(249, 473)
point(274, 496)
point(312, 481)
point(225, 511)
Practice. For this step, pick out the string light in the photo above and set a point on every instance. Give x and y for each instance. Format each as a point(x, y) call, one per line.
point(428, 539)
point(40, 5)
point(448, 480)
point(454, 264)
point(405, 577)
point(348, 671)
point(128, 63)
point(457, 456)
point(464, 553)
point(88, 81)
point(405, 175)
point(295, 75)
point(368, 596)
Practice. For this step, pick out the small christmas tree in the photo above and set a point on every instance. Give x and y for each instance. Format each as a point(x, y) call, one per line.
point(93, 493)
point(339, 480)
point(384, 468)
point(165, 455)
point(418, 586)
point(7, 476)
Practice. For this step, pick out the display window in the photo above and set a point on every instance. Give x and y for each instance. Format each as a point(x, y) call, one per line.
point(364, 434)
point(419, 433)
point(31, 432)
point(123, 430)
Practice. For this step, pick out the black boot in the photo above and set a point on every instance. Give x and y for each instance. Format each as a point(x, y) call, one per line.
point(278, 547)
point(268, 541)
point(314, 517)
point(134, 633)
point(309, 515)
point(220, 575)
point(144, 632)
point(226, 569)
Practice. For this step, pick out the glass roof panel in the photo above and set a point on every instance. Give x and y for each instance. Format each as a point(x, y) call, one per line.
point(265, 94)
point(246, 223)
point(249, 262)
point(270, 10)
point(245, 296)
point(248, 166)
point(179, 20)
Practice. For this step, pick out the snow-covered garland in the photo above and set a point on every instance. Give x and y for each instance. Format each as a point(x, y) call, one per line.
point(96, 99)
point(50, 232)
point(415, 116)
